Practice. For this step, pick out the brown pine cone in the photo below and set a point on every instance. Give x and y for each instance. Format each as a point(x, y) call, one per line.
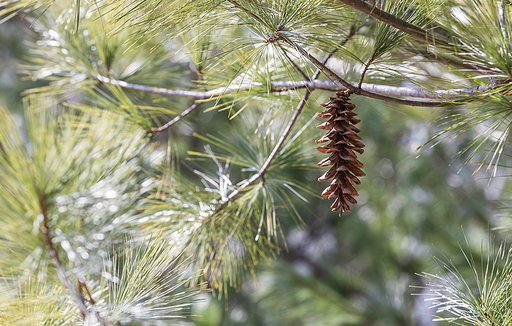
point(344, 142)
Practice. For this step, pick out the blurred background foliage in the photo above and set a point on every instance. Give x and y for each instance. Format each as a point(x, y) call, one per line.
point(357, 269)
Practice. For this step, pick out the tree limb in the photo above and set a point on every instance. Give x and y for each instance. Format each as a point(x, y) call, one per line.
point(328, 85)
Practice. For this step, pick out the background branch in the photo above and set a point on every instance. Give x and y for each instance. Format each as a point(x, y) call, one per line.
point(48, 239)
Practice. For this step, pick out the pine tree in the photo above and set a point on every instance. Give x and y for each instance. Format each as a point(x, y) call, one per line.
point(111, 214)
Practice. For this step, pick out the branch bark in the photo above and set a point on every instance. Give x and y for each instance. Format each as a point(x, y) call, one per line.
point(61, 273)
point(283, 86)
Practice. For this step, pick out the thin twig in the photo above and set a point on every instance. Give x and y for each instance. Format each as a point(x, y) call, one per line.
point(328, 85)
point(81, 286)
point(177, 118)
point(48, 239)
point(272, 156)
point(366, 66)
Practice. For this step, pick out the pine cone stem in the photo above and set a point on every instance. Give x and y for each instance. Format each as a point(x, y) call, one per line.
point(342, 147)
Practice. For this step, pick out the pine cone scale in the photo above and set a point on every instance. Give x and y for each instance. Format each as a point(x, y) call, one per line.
point(342, 147)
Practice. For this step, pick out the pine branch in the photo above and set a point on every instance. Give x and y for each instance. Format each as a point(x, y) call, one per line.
point(356, 90)
point(393, 21)
point(328, 85)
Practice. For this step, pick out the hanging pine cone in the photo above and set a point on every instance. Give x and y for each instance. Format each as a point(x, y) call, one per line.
point(344, 141)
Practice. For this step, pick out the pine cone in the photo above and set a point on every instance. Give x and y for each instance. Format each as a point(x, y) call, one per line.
point(344, 142)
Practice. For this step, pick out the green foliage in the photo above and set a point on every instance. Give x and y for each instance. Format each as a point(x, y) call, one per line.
point(10, 8)
point(492, 116)
point(89, 187)
point(482, 299)
point(71, 60)
point(306, 301)
point(145, 285)
point(481, 28)
point(35, 303)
